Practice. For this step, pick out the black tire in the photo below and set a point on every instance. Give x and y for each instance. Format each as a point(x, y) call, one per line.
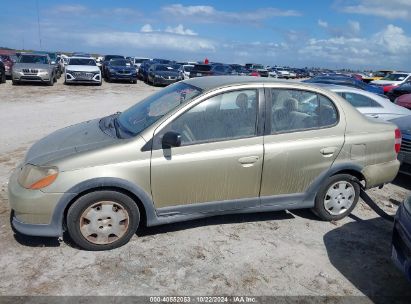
point(51, 81)
point(100, 83)
point(320, 209)
point(14, 82)
point(3, 78)
point(134, 81)
point(84, 202)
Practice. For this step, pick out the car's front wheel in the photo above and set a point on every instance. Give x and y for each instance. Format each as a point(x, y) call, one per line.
point(102, 220)
point(337, 197)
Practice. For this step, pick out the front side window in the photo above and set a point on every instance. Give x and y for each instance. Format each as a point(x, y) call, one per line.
point(298, 110)
point(360, 101)
point(227, 116)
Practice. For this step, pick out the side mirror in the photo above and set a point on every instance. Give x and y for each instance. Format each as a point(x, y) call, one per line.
point(171, 139)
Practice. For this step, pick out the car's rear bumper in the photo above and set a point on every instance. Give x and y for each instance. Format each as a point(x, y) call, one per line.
point(401, 241)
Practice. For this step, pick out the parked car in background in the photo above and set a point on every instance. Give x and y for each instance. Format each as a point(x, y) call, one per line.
point(167, 158)
point(240, 70)
point(377, 75)
point(120, 69)
point(105, 61)
point(370, 104)
point(402, 89)
point(7, 62)
point(345, 81)
point(32, 67)
point(404, 101)
point(53, 61)
point(143, 70)
point(185, 70)
point(259, 68)
point(163, 74)
point(2, 72)
point(393, 80)
point(200, 70)
point(401, 238)
point(82, 70)
point(137, 61)
point(282, 73)
point(404, 124)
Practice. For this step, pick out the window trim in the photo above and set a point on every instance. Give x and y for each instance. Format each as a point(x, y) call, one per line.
point(259, 124)
point(269, 104)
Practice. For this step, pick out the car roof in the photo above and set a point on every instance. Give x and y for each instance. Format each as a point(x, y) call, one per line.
point(35, 54)
point(336, 87)
point(212, 82)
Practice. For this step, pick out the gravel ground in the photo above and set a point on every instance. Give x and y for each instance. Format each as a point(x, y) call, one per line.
point(278, 253)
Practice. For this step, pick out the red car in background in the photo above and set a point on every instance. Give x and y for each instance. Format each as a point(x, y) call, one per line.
point(5, 57)
point(404, 101)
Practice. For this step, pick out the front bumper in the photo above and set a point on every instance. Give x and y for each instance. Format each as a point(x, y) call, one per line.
point(401, 241)
point(25, 77)
point(118, 76)
point(72, 78)
point(165, 81)
point(34, 210)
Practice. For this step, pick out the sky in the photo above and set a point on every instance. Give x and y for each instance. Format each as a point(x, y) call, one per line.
point(358, 34)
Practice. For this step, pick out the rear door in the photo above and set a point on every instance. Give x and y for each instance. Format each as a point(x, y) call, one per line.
point(303, 136)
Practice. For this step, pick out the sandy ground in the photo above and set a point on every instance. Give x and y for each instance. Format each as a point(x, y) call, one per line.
point(278, 253)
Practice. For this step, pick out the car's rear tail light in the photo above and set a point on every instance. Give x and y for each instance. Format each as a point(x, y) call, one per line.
point(397, 145)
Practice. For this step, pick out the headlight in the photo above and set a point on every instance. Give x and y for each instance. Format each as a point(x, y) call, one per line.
point(407, 204)
point(69, 72)
point(37, 177)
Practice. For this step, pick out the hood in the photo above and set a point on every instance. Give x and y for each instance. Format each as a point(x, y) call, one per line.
point(83, 68)
point(30, 66)
point(385, 82)
point(81, 137)
point(403, 123)
point(167, 73)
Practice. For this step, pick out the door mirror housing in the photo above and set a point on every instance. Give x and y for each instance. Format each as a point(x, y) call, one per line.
point(171, 139)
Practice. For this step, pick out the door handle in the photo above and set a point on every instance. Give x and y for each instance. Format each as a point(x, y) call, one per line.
point(248, 160)
point(374, 115)
point(328, 152)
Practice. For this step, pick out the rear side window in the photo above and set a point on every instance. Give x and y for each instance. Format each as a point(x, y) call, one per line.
point(360, 101)
point(299, 110)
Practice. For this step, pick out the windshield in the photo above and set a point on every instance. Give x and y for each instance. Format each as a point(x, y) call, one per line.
point(164, 68)
point(140, 60)
point(52, 56)
point(33, 59)
point(381, 73)
point(395, 77)
point(149, 110)
point(78, 61)
point(119, 62)
point(188, 68)
point(258, 66)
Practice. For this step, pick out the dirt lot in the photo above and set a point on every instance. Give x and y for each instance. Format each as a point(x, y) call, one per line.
point(279, 253)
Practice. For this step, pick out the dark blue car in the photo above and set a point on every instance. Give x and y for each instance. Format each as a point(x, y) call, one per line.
point(121, 69)
point(401, 239)
point(346, 81)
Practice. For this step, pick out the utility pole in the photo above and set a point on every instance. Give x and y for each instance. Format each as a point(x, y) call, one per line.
point(38, 23)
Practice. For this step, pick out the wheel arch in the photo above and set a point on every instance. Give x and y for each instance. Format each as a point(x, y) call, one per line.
point(142, 198)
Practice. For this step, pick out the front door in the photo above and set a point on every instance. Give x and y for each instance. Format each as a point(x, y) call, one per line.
point(220, 158)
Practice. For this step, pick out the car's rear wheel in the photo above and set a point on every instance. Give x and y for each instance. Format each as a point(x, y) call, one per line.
point(337, 197)
point(102, 220)
point(3, 78)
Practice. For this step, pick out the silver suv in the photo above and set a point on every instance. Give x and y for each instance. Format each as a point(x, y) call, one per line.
point(34, 68)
